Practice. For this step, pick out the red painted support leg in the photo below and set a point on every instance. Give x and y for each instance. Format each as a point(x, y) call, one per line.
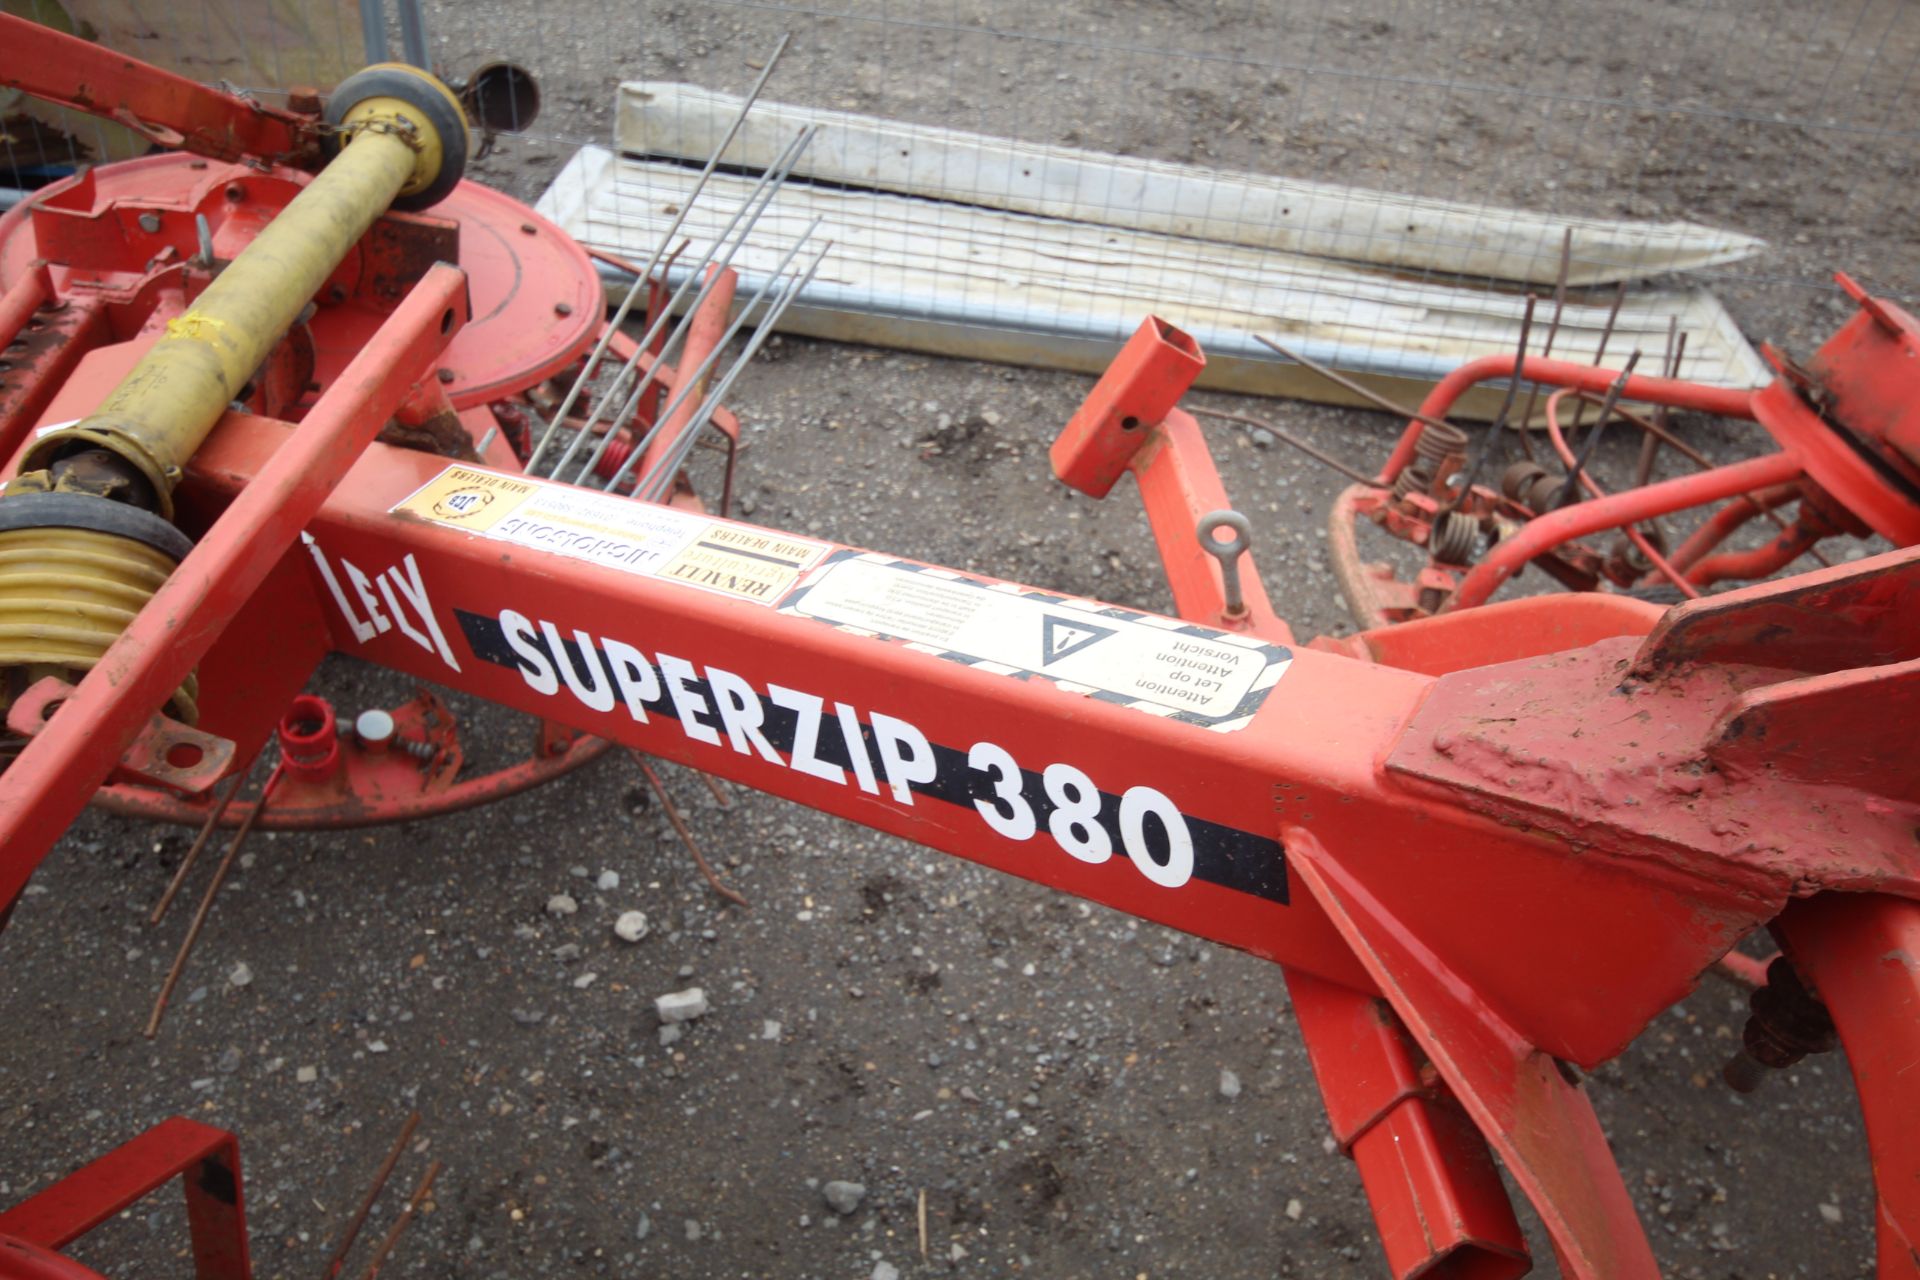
point(1436, 1194)
point(1128, 423)
point(1539, 1121)
point(207, 1160)
point(1862, 953)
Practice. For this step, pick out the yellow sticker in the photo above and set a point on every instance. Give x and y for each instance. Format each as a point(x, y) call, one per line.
point(470, 499)
point(750, 563)
point(616, 533)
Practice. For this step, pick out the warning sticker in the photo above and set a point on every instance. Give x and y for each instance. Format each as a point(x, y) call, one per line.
point(616, 533)
point(1159, 665)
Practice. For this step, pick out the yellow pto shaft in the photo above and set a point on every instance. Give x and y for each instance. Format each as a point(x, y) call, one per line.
point(86, 533)
point(164, 408)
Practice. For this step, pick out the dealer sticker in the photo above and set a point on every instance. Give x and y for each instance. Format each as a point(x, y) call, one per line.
point(616, 533)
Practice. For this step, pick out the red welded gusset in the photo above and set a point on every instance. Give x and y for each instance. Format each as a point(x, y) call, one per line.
point(1723, 523)
point(161, 106)
point(1435, 1191)
point(55, 774)
point(1632, 506)
point(1724, 402)
point(1862, 954)
point(1128, 423)
point(207, 1161)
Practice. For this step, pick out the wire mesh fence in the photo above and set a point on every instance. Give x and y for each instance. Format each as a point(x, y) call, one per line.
point(1403, 170)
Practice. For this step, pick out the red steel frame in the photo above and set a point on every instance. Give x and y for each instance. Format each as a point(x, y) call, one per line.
point(1509, 923)
point(1486, 847)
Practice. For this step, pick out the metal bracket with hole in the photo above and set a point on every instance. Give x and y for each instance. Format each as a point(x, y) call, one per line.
point(165, 752)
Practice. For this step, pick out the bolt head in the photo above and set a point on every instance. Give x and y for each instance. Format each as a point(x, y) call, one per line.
point(373, 725)
point(445, 375)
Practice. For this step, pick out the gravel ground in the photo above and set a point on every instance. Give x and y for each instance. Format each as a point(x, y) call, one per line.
point(1047, 1074)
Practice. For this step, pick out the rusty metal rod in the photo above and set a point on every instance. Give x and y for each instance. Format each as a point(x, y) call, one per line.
point(1633, 532)
point(206, 905)
point(1606, 336)
point(359, 1219)
point(200, 842)
point(1288, 438)
point(686, 835)
point(1614, 389)
point(1669, 366)
point(1553, 327)
point(1339, 379)
point(408, 1213)
point(1484, 445)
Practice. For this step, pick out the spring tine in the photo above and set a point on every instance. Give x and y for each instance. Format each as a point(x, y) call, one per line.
point(1285, 437)
point(691, 382)
point(669, 466)
point(1618, 385)
point(1553, 326)
point(408, 1212)
point(206, 904)
point(640, 280)
point(1670, 368)
point(1339, 379)
point(685, 833)
point(339, 1259)
point(1484, 445)
point(199, 843)
point(1606, 336)
point(762, 193)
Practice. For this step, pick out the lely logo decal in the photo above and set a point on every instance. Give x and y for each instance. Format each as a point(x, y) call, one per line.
point(395, 598)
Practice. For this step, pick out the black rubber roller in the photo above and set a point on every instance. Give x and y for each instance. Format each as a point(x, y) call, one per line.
point(436, 105)
point(101, 515)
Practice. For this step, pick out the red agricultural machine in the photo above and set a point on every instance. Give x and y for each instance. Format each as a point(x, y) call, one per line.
point(282, 391)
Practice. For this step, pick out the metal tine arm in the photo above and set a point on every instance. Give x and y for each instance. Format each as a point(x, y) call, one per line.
point(639, 282)
point(763, 192)
point(656, 482)
point(691, 381)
